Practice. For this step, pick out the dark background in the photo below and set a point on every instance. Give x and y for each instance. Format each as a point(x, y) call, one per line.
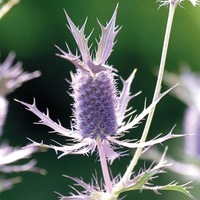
point(33, 27)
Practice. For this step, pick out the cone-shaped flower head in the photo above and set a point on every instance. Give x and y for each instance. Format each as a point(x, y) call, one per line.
point(95, 104)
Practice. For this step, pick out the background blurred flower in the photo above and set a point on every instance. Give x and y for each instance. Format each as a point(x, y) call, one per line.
point(11, 77)
point(188, 91)
point(11, 155)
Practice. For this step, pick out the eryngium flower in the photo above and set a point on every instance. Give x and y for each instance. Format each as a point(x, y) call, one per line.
point(99, 109)
point(12, 76)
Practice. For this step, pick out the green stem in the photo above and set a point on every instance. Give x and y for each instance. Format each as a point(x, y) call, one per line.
point(138, 152)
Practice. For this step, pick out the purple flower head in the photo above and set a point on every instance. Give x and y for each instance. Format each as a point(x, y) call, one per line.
point(99, 109)
point(95, 104)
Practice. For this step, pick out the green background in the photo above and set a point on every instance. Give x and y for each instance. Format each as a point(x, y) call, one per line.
point(31, 30)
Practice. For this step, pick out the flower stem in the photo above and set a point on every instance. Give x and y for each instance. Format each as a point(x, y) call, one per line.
point(6, 7)
point(138, 152)
point(104, 167)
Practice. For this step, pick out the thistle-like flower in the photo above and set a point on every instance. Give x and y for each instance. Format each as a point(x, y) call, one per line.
point(99, 109)
point(11, 77)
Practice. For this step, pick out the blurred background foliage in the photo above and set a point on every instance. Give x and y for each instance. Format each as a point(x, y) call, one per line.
point(33, 27)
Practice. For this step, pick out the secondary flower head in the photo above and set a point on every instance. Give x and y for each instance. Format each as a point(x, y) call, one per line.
point(13, 76)
point(99, 109)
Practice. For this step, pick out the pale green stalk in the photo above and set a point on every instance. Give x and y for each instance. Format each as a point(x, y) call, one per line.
point(172, 7)
point(104, 168)
point(5, 8)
